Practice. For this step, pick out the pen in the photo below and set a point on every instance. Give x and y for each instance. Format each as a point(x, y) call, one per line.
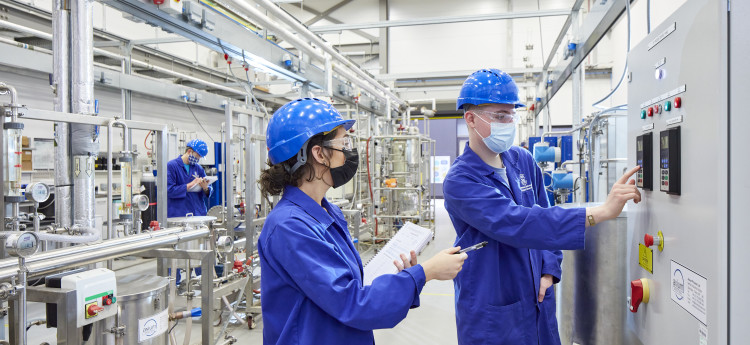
point(474, 247)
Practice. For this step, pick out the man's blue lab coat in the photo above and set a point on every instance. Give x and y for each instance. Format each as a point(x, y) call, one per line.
point(311, 291)
point(180, 201)
point(496, 292)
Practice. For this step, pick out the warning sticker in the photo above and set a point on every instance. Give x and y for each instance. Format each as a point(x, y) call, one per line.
point(689, 291)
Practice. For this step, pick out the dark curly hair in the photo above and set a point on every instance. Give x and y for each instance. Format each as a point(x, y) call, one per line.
point(273, 180)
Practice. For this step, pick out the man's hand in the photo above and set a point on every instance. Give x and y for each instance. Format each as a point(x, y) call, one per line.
point(192, 183)
point(204, 184)
point(406, 262)
point(544, 284)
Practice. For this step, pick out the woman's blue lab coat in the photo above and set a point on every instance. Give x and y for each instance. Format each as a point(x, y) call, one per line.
point(311, 286)
point(181, 202)
point(496, 292)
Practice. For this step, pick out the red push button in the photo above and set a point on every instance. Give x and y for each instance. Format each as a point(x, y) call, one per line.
point(678, 102)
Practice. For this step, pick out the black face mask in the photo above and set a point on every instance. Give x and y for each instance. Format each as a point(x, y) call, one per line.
point(343, 174)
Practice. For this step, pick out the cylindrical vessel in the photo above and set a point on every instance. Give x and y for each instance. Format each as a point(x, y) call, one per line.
point(143, 301)
point(592, 292)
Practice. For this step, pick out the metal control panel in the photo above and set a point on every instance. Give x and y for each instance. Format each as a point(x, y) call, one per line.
point(678, 94)
point(95, 294)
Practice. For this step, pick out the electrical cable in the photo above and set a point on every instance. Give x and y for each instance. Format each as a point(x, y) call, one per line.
point(625, 68)
point(199, 123)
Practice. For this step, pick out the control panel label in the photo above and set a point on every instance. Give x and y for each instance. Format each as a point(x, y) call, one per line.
point(689, 291)
point(153, 326)
point(646, 258)
point(670, 29)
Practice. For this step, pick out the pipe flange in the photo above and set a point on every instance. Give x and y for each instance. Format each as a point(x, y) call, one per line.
point(13, 125)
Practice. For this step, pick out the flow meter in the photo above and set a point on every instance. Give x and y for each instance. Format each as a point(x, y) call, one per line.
point(37, 192)
point(22, 244)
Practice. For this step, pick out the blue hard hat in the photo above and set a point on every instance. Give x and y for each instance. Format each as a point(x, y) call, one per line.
point(292, 125)
point(489, 86)
point(199, 146)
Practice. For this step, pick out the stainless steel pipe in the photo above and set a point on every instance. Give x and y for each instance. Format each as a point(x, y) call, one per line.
point(54, 260)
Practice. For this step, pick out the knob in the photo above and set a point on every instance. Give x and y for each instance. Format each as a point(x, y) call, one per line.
point(93, 310)
point(639, 293)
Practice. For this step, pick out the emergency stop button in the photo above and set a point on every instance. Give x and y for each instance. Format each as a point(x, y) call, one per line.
point(657, 240)
point(639, 293)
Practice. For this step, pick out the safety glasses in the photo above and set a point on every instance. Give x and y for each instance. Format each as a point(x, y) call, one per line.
point(502, 117)
point(345, 143)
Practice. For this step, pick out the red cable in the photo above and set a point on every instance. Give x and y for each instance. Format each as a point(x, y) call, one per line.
point(369, 184)
point(146, 139)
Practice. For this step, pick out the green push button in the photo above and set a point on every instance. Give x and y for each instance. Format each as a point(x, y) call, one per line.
point(643, 114)
point(668, 106)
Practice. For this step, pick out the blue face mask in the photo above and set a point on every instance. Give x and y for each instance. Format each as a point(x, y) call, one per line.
point(501, 136)
point(192, 160)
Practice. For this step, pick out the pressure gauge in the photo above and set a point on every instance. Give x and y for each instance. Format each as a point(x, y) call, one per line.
point(37, 192)
point(23, 244)
point(140, 202)
point(224, 244)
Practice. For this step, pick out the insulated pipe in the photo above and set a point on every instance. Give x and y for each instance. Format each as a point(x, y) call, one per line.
point(84, 139)
point(61, 81)
point(60, 259)
point(306, 33)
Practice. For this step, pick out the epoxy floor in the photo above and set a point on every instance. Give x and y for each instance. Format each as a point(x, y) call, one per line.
point(432, 323)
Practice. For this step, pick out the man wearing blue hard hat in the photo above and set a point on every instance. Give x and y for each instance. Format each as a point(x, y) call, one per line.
point(494, 192)
point(183, 175)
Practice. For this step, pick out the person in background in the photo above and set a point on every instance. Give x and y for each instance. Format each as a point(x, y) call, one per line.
point(494, 192)
point(183, 174)
point(312, 291)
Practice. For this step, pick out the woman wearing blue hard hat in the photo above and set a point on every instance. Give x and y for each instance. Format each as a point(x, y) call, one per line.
point(183, 174)
point(312, 291)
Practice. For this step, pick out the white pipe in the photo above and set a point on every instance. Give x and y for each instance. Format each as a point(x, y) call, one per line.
point(263, 20)
point(305, 32)
point(99, 51)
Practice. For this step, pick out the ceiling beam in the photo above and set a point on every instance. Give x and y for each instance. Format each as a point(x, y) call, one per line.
point(367, 36)
point(326, 13)
point(441, 20)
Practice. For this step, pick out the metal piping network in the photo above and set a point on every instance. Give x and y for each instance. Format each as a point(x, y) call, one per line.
point(60, 259)
point(305, 32)
point(136, 63)
point(125, 145)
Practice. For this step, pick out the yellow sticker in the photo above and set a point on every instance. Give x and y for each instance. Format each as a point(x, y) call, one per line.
point(646, 258)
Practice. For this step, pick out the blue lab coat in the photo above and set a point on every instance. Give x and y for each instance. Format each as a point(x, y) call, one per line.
point(311, 290)
point(181, 202)
point(496, 292)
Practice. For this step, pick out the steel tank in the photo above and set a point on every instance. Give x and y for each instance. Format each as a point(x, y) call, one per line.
point(143, 303)
point(592, 293)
